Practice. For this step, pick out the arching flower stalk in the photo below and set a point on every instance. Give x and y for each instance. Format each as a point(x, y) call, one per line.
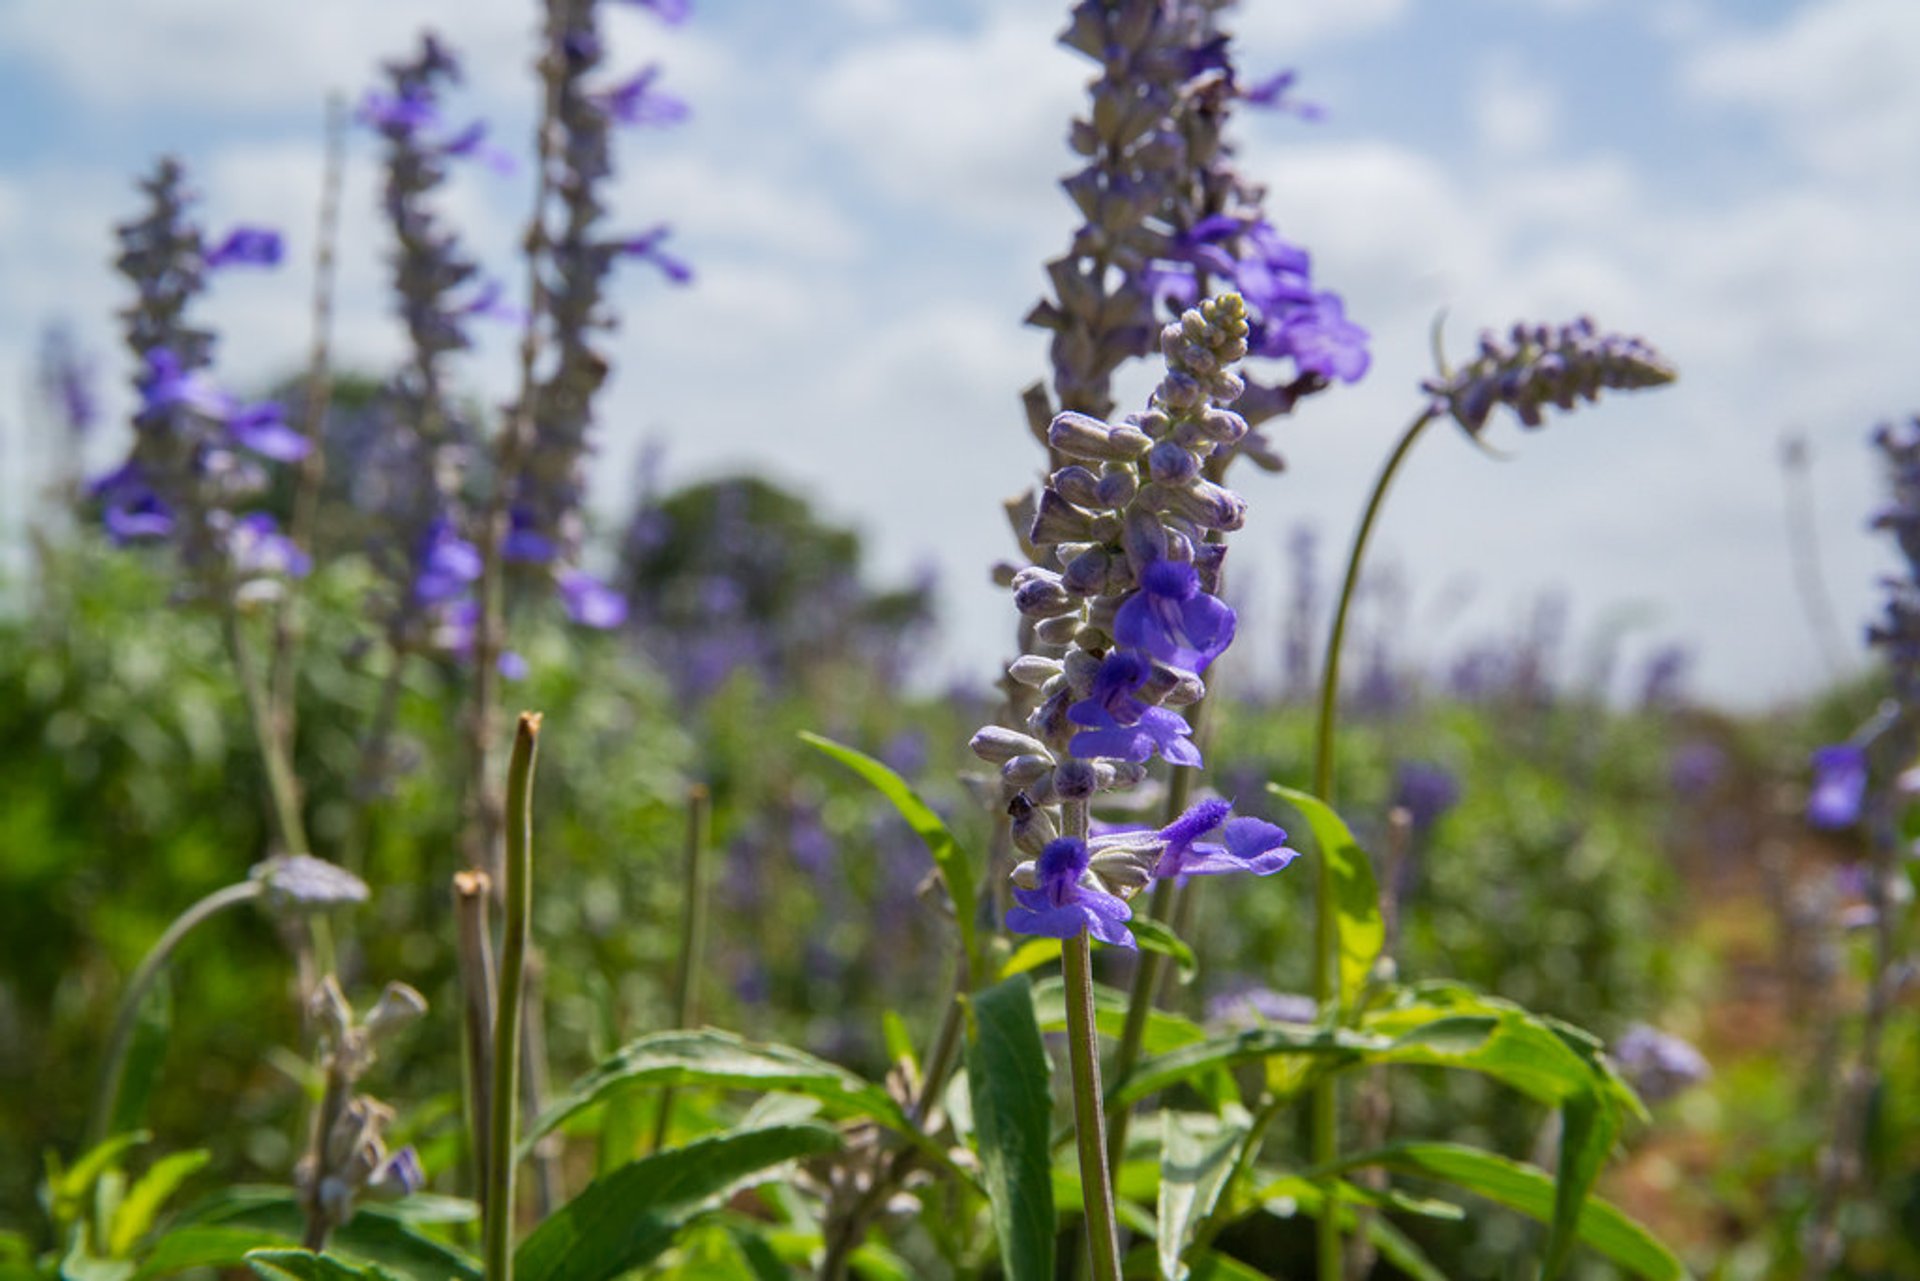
point(1532, 368)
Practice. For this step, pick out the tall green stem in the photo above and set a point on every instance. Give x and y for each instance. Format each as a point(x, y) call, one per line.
point(693, 931)
point(127, 1017)
point(516, 926)
point(1083, 1058)
point(283, 789)
point(1326, 941)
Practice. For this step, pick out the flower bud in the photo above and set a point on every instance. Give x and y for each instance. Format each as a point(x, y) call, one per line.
point(1080, 436)
point(1074, 780)
point(398, 1006)
point(1024, 771)
point(998, 744)
point(1034, 671)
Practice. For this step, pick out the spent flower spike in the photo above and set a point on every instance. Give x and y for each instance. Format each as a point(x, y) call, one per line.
point(1535, 366)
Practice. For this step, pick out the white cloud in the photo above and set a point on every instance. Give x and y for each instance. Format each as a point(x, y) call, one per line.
point(1284, 30)
point(1841, 80)
point(1514, 112)
point(970, 124)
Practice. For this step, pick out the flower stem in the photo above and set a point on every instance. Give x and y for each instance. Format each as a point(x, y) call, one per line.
point(1083, 1058)
point(283, 789)
point(1326, 941)
point(127, 1017)
point(287, 627)
point(693, 931)
point(472, 895)
point(516, 925)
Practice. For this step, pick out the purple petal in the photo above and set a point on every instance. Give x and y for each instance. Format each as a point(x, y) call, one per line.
point(263, 429)
point(247, 247)
point(590, 602)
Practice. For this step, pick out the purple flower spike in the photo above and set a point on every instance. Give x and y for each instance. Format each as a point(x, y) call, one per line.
point(1061, 907)
point(1839, 786)
point(263, 429)
point(247, 247)
point(590, 602)
point(1173, 620)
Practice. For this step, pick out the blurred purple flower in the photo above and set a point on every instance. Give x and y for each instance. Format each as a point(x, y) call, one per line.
point(635, 101)
point(1425, 791)
point(590, 602)
point(646, 246)
point(263, 429)
point(258, 547)
point(247, 247)
point(1839, 786)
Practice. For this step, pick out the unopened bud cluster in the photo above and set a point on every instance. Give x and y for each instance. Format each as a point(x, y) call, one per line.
point(348, 1160)
point(1535, 366)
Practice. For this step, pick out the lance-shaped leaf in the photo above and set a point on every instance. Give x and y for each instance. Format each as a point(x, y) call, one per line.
point(1531, 1191)
point(624, 1220)
point(377, 1234)
point(305, 1265)
point(714, 1058)
point(1356, 897)
point(1009, 1082)
point(1196, 1156)
point(955, 868)
point(1334, 1049)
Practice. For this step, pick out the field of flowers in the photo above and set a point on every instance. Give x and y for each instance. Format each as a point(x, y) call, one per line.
point(410, 872)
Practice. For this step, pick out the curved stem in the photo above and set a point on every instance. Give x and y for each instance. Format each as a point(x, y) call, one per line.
point(1326, 1097)
point(127, 1017)
point(516, 926)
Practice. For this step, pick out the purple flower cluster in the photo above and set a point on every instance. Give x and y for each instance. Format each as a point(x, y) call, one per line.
point(415, 476)
point(548, 489)
point(199, 454)
point(1535, 366)
point(1124, 622)
point(1168, 219)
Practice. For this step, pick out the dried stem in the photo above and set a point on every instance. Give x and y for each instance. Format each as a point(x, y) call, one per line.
point(516, 925)
point(313, 468)
point(472, 895)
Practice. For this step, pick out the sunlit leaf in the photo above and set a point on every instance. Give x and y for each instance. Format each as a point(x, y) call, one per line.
point(1009, 1081)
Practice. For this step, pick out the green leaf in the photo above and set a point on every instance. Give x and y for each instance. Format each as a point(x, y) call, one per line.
point(1009, 1082)
point(714, 1058)
point(142, 1204)
point(1509, 1045)
point(1397, 1248)
point(956, 869)
point(1530, 1191)
point(1204, 1266)
point(1336, 1048)
point(1196, 1157)
point(1156, 937)
point(305, 1265)
point(1300, 1195)
point(1031, 955)
point(1587, 1131)
point(65, 1189)
point(1356, 898)
point(146, 1054)
point(626, 1219)
point(378, 1234)
point(184, 1249)
point(899, 1042)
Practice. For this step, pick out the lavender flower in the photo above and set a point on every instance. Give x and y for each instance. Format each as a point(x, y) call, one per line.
point(66, 377)
point(548, 490)
point(1062, 901)
point(195, 454)
point(1426, 791)
point(1168, 219)
point(1124, 622)
point(1657, 1064)
point(414, 480)
point(1536, 366)
point(1839, 786)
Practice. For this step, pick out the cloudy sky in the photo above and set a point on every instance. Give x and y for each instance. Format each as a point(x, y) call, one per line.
point(867, 192)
